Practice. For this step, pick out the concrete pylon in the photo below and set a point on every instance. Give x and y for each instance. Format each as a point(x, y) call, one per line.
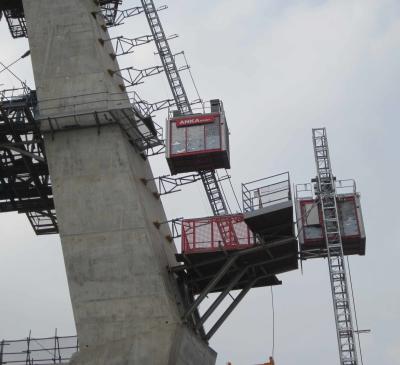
point(127, 307)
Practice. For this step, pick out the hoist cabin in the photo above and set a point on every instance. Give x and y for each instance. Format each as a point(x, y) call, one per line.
point(311, 226)
point(198, 141)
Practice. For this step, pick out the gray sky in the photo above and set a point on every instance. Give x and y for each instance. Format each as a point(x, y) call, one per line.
point(281, 68)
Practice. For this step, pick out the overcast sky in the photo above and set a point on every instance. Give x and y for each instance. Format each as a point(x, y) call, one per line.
point(281, 67)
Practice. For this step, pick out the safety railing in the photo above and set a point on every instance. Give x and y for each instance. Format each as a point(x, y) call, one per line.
point(265, 192)
point(228, 232)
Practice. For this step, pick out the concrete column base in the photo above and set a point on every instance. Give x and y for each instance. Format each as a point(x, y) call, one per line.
point(175, 345)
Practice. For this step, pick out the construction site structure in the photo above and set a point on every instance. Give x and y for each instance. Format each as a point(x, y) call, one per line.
point(199, 155)
point(337, 217)
point(128, 308)
point(78, 147)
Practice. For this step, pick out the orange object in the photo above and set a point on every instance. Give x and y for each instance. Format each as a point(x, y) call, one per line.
point(271, 362)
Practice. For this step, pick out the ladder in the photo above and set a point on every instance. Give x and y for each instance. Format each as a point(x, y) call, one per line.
point(209, 179)
point(167, 57)
point(326, 191)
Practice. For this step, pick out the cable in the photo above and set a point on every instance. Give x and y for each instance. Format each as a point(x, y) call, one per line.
point(355, 311)
point(233, 190)
point(273, 322)
point(7, 68)
point(223, 193)
point(191, 76)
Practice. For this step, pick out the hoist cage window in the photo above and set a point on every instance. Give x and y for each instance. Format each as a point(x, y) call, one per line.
point(217, 233)
point(197, 142)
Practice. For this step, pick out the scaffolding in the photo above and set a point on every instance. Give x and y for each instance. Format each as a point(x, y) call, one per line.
point(38, 351)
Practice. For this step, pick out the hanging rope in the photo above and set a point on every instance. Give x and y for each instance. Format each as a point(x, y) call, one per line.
point(191, 76)
point(233, 190)
point(273, 322)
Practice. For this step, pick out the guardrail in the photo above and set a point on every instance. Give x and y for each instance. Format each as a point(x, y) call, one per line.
point(265, 192)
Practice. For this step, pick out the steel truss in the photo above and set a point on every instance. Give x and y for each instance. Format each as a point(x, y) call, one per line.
point(128, 13)
point(239, 270)
point(25, 184)
point(167, 184)
point(326, 192)
point(109, 9)
point(133, 76)
point(124, 46)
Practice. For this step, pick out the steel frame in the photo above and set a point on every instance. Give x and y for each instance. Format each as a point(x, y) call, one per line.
point(109, 9)
point(24, 177)
point(25, 184)
point(229, 265)
point(167, 184)
point(326, 191)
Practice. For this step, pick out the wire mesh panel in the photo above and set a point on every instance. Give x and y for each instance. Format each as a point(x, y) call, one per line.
point(38, 351)
point(265, 192)
point(228, 232)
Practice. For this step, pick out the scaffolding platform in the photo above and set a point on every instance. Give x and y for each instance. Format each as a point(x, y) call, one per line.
point(310, 220)
point(212, 242)
point(268, 212)
point(220, 254)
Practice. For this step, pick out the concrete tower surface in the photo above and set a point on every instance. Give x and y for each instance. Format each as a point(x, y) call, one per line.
point(127, 307)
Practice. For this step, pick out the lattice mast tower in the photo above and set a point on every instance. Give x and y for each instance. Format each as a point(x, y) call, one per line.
point(326, 191)
point(208, 177)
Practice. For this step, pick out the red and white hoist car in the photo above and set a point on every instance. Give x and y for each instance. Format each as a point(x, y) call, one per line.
point(198, 142)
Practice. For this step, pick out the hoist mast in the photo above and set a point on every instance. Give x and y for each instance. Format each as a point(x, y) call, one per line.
point(326, 192)
point(208, 177)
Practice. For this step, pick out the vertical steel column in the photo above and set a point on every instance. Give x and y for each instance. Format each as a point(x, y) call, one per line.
point(337, 271)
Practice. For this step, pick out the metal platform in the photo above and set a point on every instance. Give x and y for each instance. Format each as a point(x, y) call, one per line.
point(268, 211)
point(220, 255)
point(223, 272)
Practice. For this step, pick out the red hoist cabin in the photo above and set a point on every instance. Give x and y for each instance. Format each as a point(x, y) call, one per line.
point(310, 220)
point(198, 141)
